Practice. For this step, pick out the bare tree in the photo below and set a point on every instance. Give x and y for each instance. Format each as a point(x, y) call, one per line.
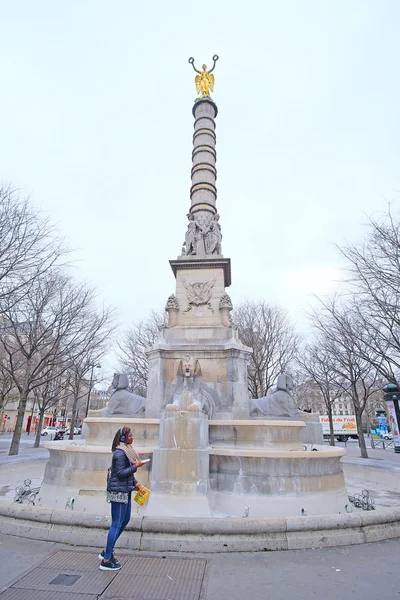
point(269, 332)
point(46, 396)
point(132, 357)
point(79, 381)
point(374, 268)
point(318, 363)
point(341, 330)
point(6, 381)
point(41, 332)
point(29, 246)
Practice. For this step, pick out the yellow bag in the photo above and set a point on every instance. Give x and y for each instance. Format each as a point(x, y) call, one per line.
point(142, 496)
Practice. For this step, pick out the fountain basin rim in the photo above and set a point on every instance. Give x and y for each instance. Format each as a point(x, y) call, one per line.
point(253, 453)
point(93, 449)
point(203, 525)
point(200, 524)
point(118, 420)
point(214, 422)
point(256, 423)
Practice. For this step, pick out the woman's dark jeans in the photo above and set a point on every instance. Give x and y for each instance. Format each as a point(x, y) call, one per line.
point(120, 515)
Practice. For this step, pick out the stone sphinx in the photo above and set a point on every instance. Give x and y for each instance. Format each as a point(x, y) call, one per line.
point(188, 392)
point(122, 401)
point(278, 402)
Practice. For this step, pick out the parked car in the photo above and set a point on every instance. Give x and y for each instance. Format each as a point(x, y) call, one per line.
point(49, 431)
point(77, 431)
point(388, 435)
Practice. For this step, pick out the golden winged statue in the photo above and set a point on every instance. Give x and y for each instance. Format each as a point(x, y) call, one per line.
point(204, 80)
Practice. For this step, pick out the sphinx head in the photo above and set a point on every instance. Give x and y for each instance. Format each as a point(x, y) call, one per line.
point(284, 382)
point(120, 381)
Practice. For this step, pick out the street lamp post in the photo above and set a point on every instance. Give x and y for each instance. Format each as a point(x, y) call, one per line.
point(90, 387)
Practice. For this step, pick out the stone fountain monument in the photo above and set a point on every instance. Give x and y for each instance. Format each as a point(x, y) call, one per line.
point(215, 452)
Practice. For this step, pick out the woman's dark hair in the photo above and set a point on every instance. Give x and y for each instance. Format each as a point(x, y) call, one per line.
point(123, 432)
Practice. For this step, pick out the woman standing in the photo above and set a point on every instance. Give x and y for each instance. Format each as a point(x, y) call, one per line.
point(120, 484)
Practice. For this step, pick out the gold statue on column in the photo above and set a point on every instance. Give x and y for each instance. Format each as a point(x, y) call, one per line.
point(204, 80)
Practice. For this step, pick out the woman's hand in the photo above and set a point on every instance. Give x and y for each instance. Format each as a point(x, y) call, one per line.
point(139, 463)
point(138, 486)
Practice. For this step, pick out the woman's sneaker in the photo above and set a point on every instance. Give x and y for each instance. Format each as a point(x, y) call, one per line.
point(113, 557)
point(108, 565)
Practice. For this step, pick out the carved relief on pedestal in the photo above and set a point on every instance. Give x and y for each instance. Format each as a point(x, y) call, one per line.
point(198, 293)
point(225, 306)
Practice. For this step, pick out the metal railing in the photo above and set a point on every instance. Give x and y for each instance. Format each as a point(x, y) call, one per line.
point(381, 443)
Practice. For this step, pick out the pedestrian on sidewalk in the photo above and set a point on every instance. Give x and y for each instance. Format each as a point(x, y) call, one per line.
point(120, 484)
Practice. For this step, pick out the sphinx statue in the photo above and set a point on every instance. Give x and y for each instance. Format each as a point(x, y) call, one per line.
point(122, 402)
point(278, 402)
point(188, 392)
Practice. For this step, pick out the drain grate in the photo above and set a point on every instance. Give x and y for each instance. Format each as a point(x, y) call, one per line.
point(73, 561)
point(150, 588)
point(88, 583)
point(70, 575)
point(146, 578)
point(16, 594)
point(64, 579)
point(184, 568)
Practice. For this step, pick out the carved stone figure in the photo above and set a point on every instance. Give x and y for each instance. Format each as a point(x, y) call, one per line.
point(122, 401)
point(188, 393)
point(194, 237)
point(213, 237)
point(204, 81)
point(198, 292)
point(278, 402)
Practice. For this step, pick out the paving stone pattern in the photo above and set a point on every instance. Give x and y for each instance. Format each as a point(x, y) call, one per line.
point(74, 575)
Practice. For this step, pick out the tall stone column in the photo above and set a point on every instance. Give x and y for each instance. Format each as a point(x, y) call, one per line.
point(199, 329)
point(203, 193)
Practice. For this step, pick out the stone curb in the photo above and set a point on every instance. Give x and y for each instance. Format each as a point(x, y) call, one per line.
point(202, 535)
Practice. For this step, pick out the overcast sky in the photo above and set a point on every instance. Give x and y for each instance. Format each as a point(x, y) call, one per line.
point(96, 124)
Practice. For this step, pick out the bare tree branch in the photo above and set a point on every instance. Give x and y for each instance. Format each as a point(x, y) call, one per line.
point(340, 334)
point(43, 330)
point(132, 357)
point(29, 245)
point(268, 331)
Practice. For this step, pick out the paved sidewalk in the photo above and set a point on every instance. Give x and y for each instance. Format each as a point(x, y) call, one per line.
point(355, 573)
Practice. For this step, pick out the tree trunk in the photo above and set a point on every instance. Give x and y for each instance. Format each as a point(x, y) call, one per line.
point(73, 418)
point(30, 426)
point(23, 399)
point(331, 432)
point(361, 439)
point(39, 428)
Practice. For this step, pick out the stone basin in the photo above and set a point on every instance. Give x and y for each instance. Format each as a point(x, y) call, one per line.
point(276, 483)
point(101, 430)
point(259, 466)
point(276, 435)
